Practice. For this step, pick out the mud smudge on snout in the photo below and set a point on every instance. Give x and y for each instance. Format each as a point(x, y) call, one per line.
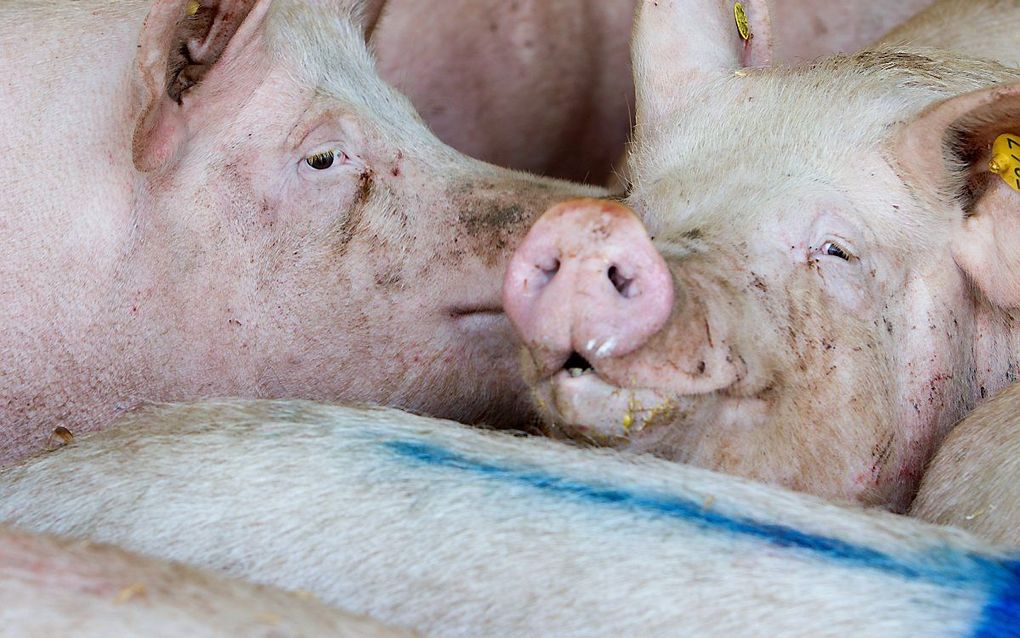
point(493, 219)
point(494, 227)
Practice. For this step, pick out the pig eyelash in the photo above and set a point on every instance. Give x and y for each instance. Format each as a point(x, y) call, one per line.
point(833, 249)
point(325, 159)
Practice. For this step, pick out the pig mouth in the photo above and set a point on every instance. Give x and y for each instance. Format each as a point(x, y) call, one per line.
point(482, 317)
point(482, 309)
point(581, 403)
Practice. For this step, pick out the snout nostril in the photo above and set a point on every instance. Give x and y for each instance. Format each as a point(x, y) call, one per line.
point(621, 283)
point(545, 272)
point(551, 268)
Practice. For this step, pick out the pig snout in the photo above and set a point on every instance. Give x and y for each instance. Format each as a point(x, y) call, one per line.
point(587, 280)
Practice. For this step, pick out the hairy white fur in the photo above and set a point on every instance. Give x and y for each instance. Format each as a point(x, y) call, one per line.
point(315, 497)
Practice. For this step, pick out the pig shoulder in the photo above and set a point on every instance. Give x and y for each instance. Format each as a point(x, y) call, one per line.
point(58, 587)
point(972, 481)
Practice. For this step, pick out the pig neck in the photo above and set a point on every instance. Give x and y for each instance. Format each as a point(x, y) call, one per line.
point(996, 348)
point(89, 328)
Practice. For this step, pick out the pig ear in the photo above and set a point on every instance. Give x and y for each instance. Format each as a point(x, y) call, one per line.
point(189, 50)
point(678, 43)
point(183, 47)
point(370, 13)
point(945, 154)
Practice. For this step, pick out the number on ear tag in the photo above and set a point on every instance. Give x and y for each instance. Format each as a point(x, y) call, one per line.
point(1006, 159)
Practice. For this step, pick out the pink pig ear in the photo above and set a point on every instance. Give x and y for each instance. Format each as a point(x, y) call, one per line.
point(183, 47)
point(945, 154)
point(678, 43)
point(370, 12)
point(192, 51)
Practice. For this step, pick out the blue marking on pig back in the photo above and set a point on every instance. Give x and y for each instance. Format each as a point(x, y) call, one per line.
point(997, 578)
point(1001, 615)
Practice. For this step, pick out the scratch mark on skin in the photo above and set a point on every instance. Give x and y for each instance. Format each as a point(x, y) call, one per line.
point(998, 578)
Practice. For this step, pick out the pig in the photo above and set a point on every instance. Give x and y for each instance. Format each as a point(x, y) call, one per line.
point(243, 208)
point(57, 587)
point(533, 85)
point(984, 33)
point(972, 480)
point(458, 531)
point(546, 86)
point(810, 279)
point(810, 29)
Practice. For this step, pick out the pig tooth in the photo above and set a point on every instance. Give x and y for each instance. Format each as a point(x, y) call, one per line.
point(606, 348)
point(575, 372)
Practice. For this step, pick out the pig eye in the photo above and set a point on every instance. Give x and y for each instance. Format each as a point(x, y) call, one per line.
point(322, 161)
point(833, 249)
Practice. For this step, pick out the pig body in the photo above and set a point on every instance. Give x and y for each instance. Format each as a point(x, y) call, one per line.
point(55, 587)
point(539, 86)
point(184, 245)
point(972, 481)
point(546, 86)
point(455, 531)
point(823, 290)
point(810, 29)
point(976, 29)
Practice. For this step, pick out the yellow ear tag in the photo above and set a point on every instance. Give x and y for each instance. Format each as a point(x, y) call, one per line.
point(193, 7)
point(1006, 159)
point(743, 24)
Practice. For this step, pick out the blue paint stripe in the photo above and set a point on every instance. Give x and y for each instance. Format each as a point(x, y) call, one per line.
point(997, 578)
point(1001, 615)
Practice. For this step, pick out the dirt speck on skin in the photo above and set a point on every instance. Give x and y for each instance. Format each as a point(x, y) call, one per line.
point(343, 232)
point(388, 278)
point(491, 220)
point(881, 453)
point(759, 283)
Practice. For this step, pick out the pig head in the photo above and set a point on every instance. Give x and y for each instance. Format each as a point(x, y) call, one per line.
point(285, 226)
point(818, 281)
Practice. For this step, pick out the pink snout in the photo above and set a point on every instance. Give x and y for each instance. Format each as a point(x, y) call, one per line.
point(587, 279)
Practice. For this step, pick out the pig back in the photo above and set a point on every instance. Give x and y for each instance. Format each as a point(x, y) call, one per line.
point(974, 480)
point(984, 29)
point(446, 529)
point(58, 587)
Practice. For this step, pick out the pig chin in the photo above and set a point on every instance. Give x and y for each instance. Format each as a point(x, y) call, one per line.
point(584, 406)
point(650, 399)
point(587, 405)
